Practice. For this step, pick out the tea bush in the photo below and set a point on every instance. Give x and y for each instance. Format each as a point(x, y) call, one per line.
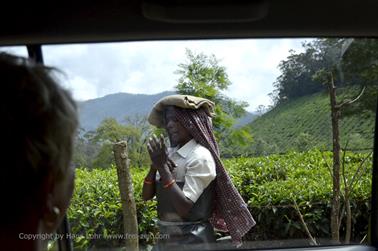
point(269, 185)
point(95, 213)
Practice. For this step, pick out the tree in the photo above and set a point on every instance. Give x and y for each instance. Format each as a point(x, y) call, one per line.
point(84, 151)
point(332, 59)
point(138, 150)
point(336, 63)
point(261, 109)
point(358, 67)
point(203, 76)
point(110, 131)
point(79, 157)
point(296, 74)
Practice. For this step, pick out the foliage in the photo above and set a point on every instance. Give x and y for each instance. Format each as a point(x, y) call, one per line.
point(360, 66)
point(268, 184)
point(305, 123)
point(135, 133)
point(96, 213)
point(261, 148)
point(84, 151)
point(330, 55)
point(362, 57)
point(203, 76)
point(353, 60)
point(303, 142)
point(296, 75)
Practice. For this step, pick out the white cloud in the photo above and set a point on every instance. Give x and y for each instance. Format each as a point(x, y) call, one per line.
point(95, 70)
point(83, 89)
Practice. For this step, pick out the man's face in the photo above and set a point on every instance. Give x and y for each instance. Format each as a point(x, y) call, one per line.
point(177, 134)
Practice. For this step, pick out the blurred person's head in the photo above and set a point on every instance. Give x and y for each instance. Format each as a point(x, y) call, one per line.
point(38, 121)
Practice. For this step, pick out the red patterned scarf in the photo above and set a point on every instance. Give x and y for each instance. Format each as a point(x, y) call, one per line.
point(231, 213)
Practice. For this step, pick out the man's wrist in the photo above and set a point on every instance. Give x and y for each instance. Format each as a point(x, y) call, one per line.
point(165, 173)
point(153, 169)
point(151, 175)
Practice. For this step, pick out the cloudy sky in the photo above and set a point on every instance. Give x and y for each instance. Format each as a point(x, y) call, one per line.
point(96, 70)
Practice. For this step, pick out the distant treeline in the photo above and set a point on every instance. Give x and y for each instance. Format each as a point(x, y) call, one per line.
point(355, 61)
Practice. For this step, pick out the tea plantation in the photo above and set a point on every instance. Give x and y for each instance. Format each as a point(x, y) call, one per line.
point(269, 185)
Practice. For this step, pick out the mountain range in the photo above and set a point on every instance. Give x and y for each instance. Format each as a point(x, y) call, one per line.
point(122, 105)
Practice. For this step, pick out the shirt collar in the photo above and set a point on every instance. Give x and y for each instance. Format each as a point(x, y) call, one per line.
point(187, 148)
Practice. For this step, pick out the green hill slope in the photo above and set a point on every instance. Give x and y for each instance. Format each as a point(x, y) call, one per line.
point(305, 123)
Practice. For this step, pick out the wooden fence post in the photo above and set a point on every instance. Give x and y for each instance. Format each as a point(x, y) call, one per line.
point(130, 223)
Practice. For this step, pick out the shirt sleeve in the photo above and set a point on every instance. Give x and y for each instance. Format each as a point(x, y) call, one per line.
point(200, 172)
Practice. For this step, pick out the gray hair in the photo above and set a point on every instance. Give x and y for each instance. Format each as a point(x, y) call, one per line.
point(39, 120)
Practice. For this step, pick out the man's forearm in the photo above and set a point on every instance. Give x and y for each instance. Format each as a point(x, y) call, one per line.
point(178, 198)
point(149, 185)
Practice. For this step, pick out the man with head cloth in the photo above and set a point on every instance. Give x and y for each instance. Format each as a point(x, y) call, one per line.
point(193, 190)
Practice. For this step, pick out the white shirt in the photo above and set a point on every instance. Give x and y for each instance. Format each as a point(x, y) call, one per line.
point(195, 167)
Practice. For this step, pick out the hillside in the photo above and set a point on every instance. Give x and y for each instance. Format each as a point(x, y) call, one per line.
point(305, 123)
point(246, 119)
point(118, 106)
point(122, 105)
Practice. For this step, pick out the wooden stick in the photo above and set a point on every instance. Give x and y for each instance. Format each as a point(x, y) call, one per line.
point(125, 185)
point(312, 239)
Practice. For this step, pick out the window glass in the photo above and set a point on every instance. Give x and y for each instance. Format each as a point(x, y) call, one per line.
point(291, 116)
point(15, 50)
